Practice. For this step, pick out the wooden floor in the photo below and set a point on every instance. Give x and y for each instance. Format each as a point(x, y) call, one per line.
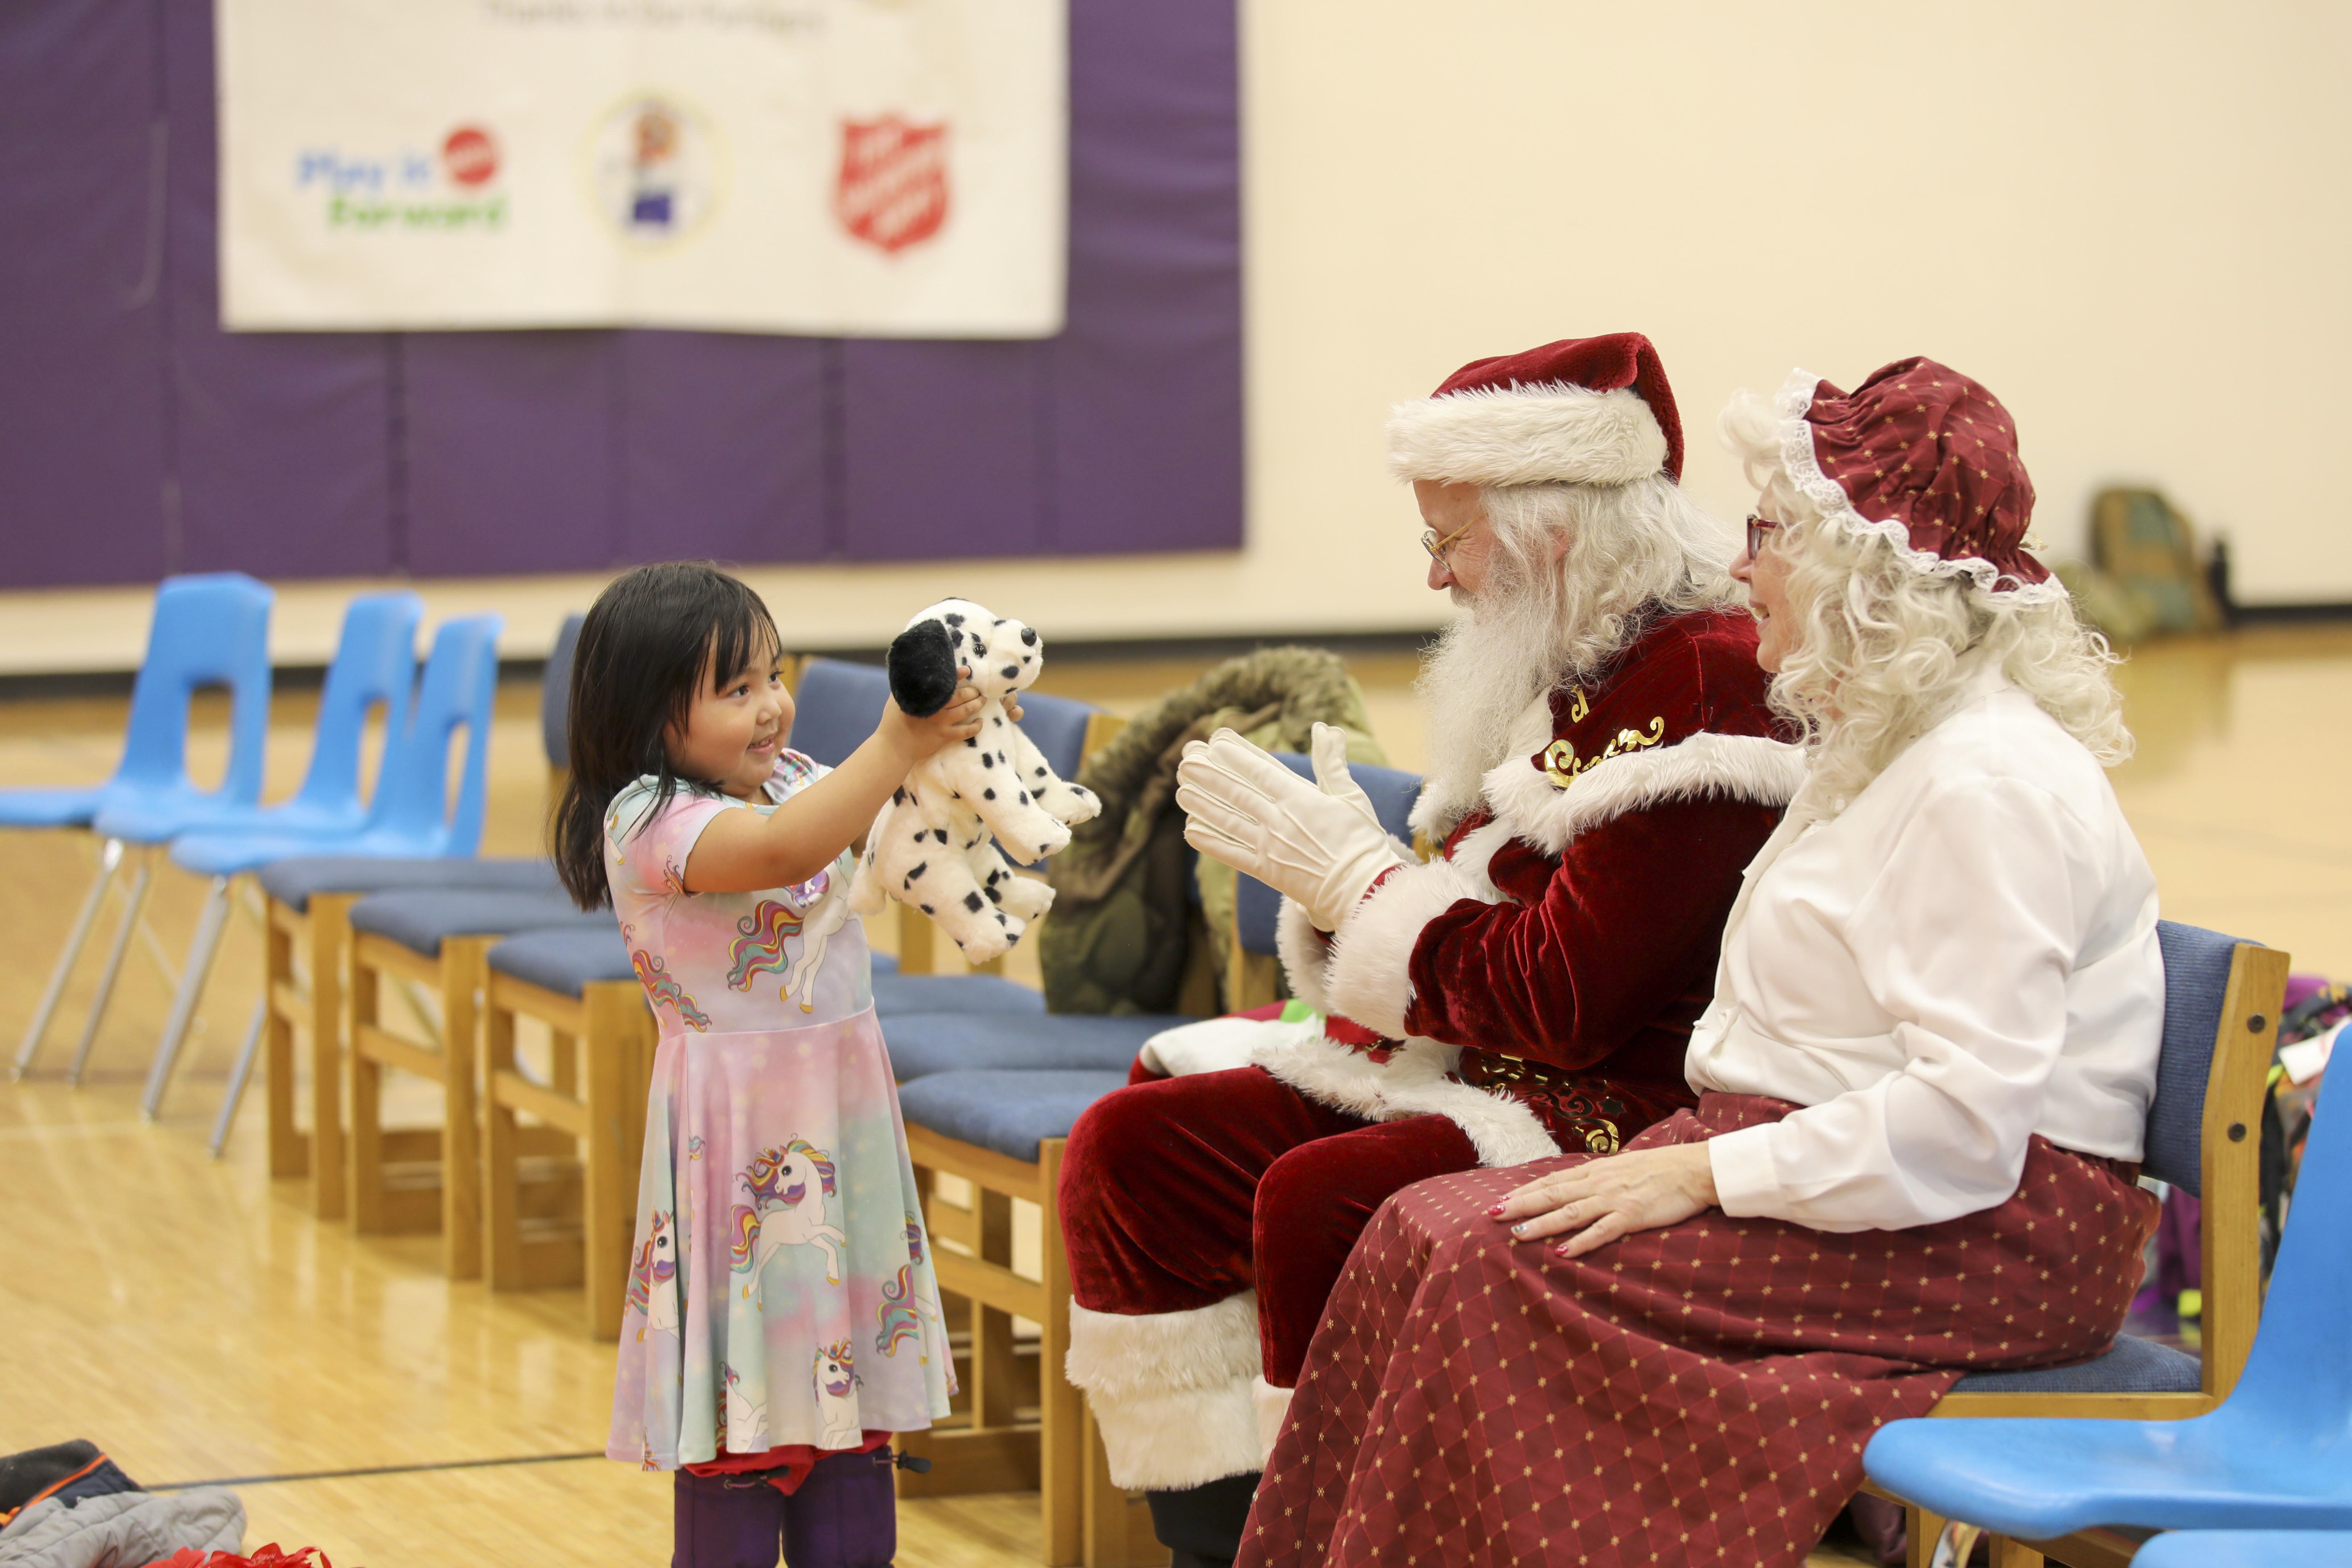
point(198, 1325)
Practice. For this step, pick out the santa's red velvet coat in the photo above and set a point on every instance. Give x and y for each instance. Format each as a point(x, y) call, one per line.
point(1529, 990)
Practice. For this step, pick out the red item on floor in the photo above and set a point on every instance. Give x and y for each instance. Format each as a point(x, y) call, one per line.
point(269, 1556)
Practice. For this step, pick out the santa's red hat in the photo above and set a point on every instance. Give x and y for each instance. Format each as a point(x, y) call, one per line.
point(1582, 411)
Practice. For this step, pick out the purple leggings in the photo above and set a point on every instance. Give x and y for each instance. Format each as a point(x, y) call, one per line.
point(844, 1515)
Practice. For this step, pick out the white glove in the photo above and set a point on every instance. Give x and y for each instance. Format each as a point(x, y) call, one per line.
point(1319, 843)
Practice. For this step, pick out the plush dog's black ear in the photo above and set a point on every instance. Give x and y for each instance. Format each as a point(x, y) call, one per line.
point(922, 668)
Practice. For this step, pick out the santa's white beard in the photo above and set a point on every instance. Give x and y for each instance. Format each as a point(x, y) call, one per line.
point(1506, 649)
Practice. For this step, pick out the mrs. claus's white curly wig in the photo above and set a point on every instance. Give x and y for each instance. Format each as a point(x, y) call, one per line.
point(1882, 651)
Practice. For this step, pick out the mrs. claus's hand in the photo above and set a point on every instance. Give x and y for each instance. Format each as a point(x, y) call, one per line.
point(1602, 1199)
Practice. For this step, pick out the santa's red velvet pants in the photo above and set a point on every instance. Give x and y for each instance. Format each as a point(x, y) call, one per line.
point(1207, 1219)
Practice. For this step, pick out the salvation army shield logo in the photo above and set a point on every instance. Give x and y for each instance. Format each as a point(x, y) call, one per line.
point(892, 191)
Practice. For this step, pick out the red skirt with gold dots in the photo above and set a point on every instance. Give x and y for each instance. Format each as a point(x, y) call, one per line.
point(1695, 1395)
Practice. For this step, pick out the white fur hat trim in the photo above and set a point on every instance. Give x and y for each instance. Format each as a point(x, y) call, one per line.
point(1555, 434)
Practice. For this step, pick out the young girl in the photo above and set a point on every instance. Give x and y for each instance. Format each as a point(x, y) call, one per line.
point(782, 1319)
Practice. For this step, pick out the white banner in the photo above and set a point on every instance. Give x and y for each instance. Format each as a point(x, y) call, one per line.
point(861, 167)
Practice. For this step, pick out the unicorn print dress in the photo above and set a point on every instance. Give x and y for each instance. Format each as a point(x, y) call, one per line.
point(781, 1290)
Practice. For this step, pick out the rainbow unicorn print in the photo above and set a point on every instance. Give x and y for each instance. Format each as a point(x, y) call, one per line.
point(655, 976)
point(904, 1307)
point(759, 945)
point(836, 1397)
point(743, 1426)
point(652, 1289)
point(788, 1187)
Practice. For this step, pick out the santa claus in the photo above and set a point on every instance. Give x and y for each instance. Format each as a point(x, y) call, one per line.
point(1603, 764)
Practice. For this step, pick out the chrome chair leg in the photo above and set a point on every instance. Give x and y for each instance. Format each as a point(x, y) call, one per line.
point(243, 1070)
point(133, 901)
point(109, 859)
point(191, 991)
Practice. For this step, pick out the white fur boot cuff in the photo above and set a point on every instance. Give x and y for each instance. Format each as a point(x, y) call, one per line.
point(1170, 1391)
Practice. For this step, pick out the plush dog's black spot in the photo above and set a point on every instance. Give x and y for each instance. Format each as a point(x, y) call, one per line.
point(922, 665)
point(954, 617)
point(972, 741)
point(928, 910)
point(988, 759)
point(997, 722)
point(1000, 920)
point(1039, 774)
point(1011, 672)
point(995, 897)
point(940, 833)
point(988, 795)
point(1029, 637)
point(921, 867)
point(973, 902)
point(1025, 797)
point(899, 797)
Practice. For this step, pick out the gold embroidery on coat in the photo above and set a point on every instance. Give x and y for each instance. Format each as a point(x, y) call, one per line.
point(1578, 707)
point(1561, 764)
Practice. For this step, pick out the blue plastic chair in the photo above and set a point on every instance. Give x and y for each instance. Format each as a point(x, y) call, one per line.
point(410, 817)
point(207, 631)
point(2277, 1453)
point(375, 663)
point(2247, 1549)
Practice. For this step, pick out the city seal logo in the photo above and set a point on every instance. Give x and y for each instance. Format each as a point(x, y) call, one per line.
point(653, 165)
point(892, 191)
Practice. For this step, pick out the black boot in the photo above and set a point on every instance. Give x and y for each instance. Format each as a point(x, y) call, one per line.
point(1202, 1525)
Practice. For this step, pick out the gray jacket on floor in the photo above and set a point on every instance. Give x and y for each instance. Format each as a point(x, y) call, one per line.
point(126, 1530)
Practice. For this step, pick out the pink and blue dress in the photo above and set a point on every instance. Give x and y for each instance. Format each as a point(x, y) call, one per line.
point(780, 1291)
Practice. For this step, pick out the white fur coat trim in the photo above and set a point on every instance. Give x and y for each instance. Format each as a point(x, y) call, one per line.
point(1171, 1391)
point(1369, 975)
point(1549, 434)
point(1411, 1082)
point(1273, 1405)
point(1703, 766)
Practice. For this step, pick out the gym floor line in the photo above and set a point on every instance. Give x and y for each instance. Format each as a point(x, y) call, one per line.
point(372, 1471)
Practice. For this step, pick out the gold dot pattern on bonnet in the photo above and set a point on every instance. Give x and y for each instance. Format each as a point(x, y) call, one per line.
point(1922, 444)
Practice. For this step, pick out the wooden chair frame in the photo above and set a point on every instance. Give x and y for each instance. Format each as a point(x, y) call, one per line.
point(322, 934)
point(379, 1206)
point(603, 1069)
point(2230, 1179)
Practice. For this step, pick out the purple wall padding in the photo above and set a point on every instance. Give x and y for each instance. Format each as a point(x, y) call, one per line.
point(82, 436)
point(282, 439)
point(514, 461)
point(136, 437)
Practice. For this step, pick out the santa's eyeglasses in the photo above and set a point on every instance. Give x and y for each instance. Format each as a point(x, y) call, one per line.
point(1758, 527)
point(1438, 547)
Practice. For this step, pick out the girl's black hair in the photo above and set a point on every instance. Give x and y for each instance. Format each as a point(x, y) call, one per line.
point(649, 642)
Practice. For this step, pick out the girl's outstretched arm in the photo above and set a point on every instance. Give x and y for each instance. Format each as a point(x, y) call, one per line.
point(743, 852)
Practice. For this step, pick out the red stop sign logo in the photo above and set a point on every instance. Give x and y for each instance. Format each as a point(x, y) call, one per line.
point(471, 155)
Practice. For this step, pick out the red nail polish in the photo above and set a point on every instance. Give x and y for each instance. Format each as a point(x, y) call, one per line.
point(1495, 1213)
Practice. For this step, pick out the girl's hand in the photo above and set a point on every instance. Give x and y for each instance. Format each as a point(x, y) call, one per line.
point(1602, 1199)
point(920, 738)
point(1013, 706)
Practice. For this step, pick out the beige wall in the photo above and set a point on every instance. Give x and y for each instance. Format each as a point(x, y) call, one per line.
point(2130, 221)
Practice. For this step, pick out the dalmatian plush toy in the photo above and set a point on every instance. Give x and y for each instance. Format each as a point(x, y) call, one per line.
point(934, 845)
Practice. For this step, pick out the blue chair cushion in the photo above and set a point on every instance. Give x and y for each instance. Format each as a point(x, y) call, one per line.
point(2128, 1366)
point(566, 960)
point(2195, 975)
point(898, 996)
point(419, 919)
point(883, 964)
point(926, 1044)
point(1009, 1112)
point(836, 707)
point(291, 882)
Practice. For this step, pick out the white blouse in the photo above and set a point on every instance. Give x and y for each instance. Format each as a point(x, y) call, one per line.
point(1964, 956)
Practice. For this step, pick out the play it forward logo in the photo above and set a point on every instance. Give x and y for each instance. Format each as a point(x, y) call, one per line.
point(448, 191)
